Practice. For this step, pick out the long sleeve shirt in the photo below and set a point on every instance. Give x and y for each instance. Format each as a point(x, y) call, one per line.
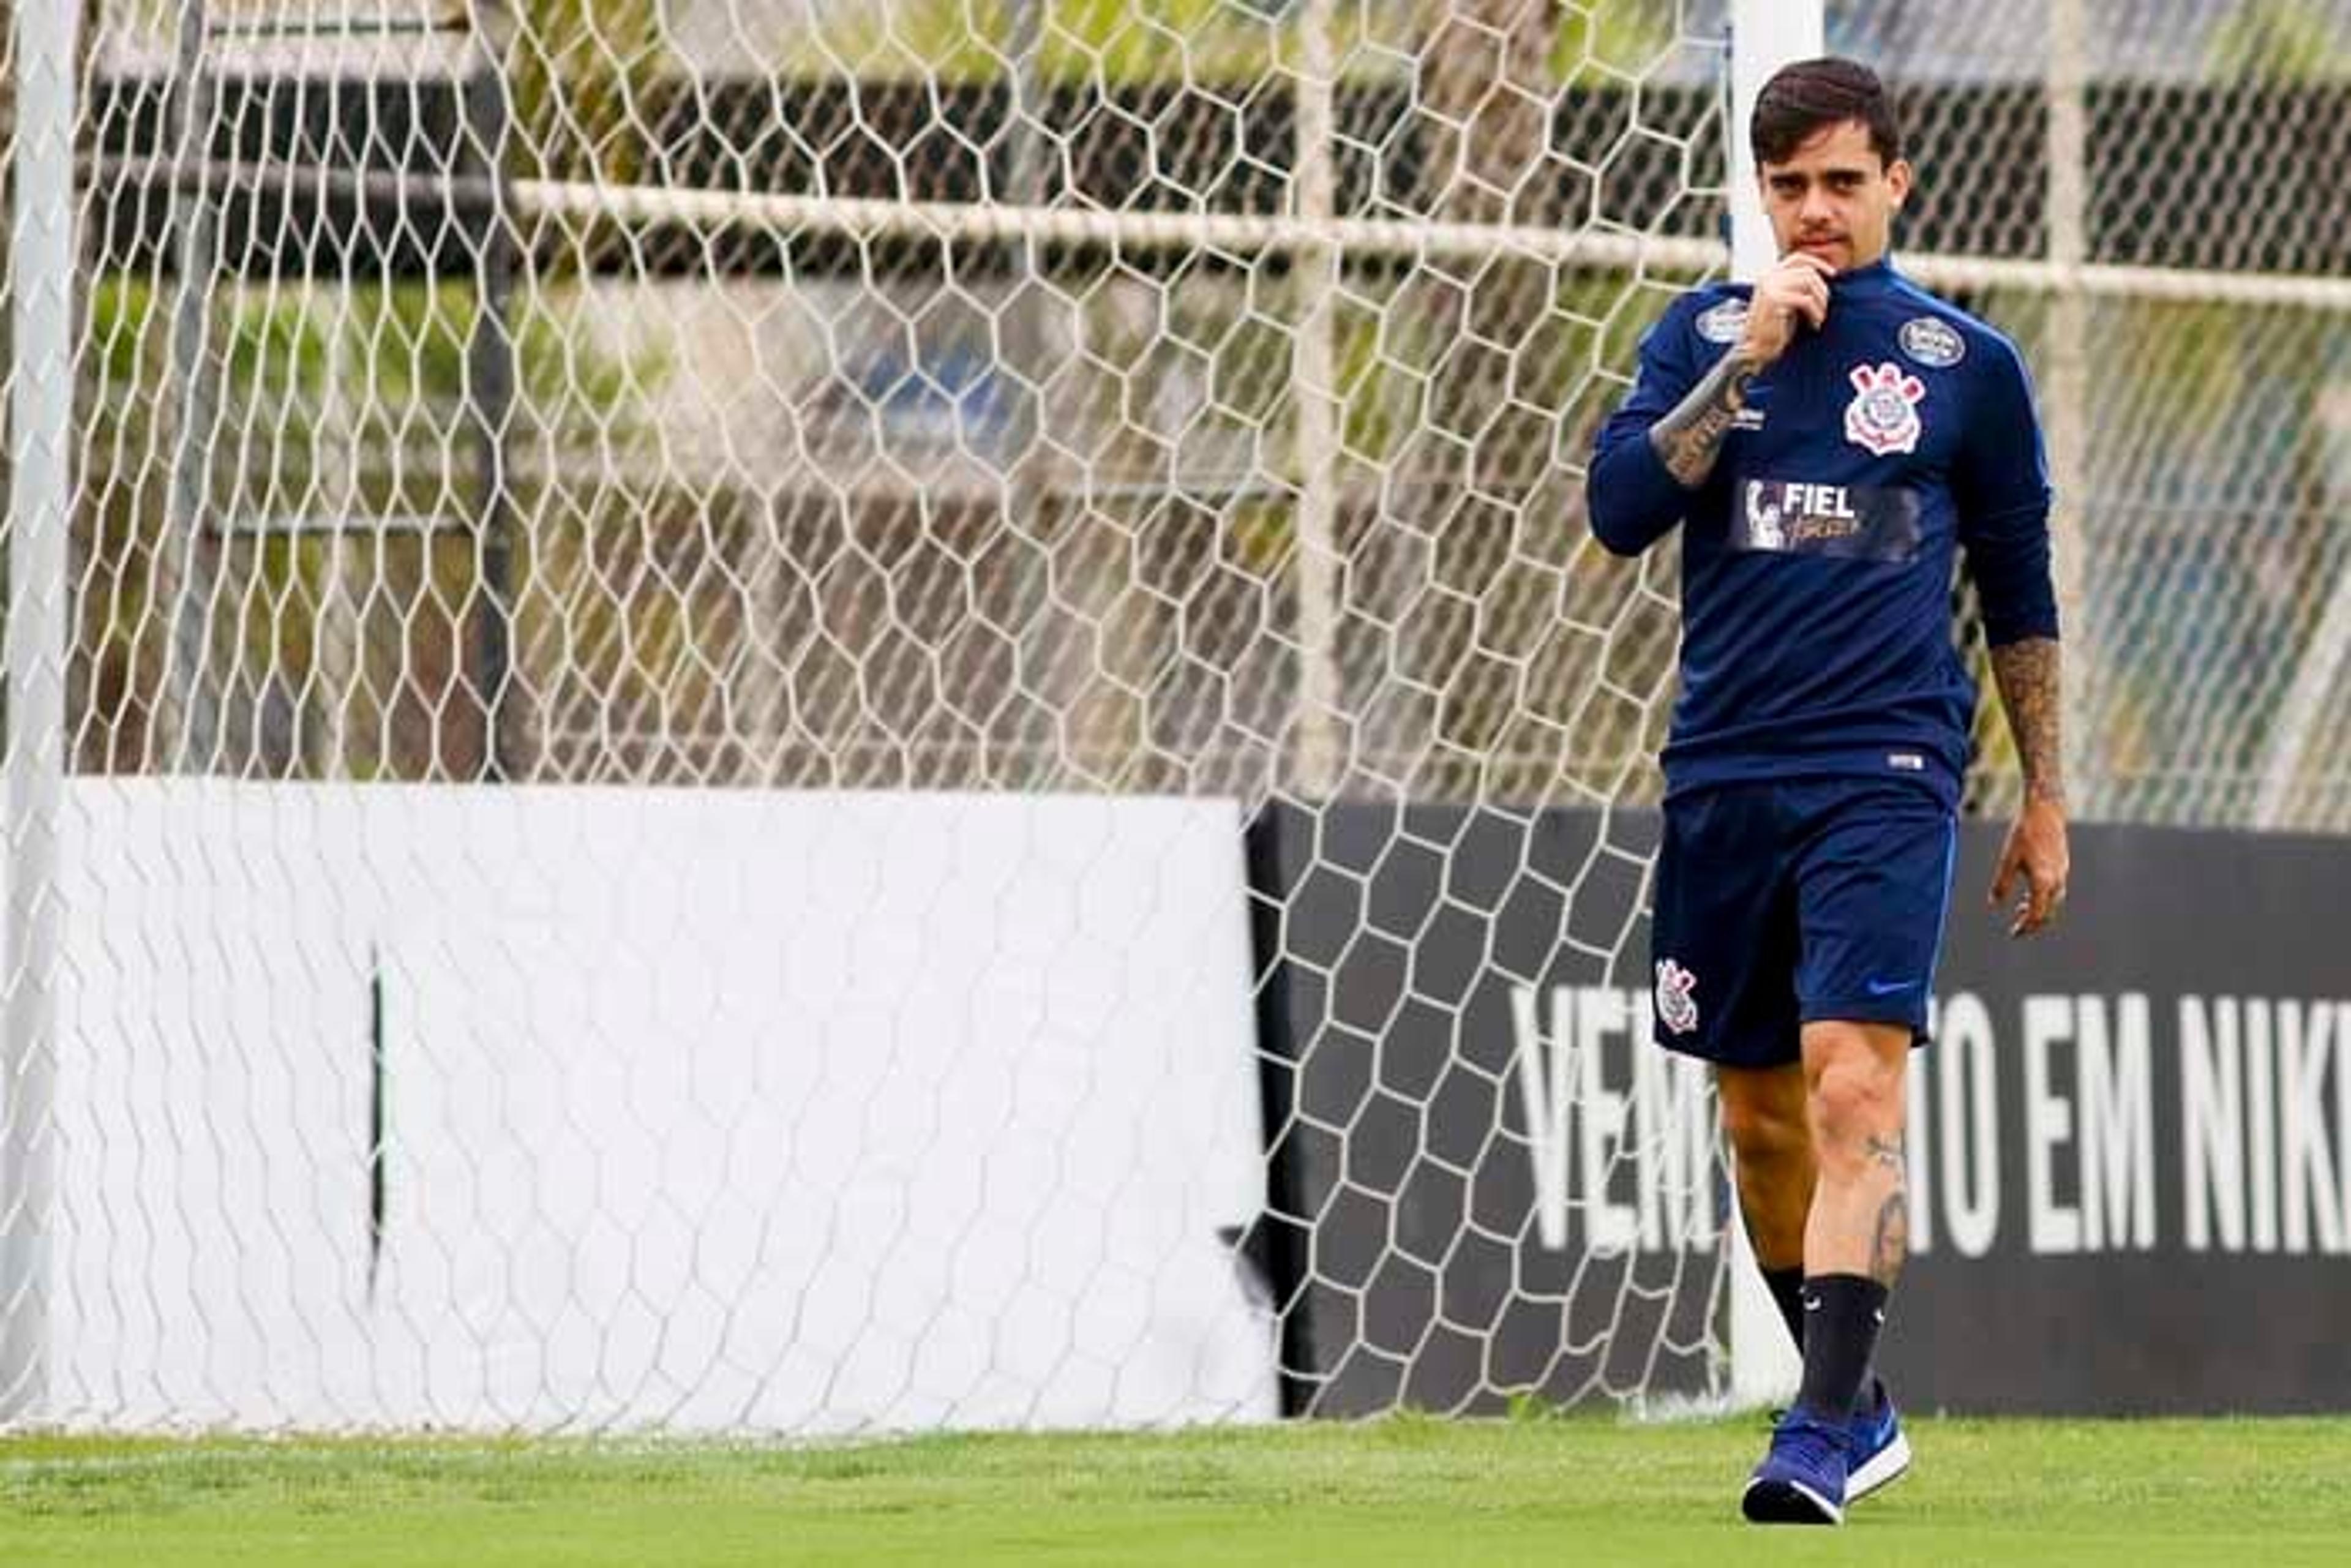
point(1818, 556)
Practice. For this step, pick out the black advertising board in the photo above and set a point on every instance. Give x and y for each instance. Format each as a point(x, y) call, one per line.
point(2130, 1146)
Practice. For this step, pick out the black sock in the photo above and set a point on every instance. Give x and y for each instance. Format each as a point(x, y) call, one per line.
point(1843, 1313)
point(1787, 1288)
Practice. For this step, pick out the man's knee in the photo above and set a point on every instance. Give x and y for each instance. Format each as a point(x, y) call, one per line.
point(1855, 1078)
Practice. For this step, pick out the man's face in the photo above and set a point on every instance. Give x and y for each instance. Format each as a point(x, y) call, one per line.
point(1834, 198)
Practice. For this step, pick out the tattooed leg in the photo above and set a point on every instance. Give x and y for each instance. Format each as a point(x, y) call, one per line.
point(1890, 1239)
point(1858, 1229)
point(1855, 1075)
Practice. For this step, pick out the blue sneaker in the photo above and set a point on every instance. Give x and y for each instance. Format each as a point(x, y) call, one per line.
point(1802, 1479)
point(1875, 1451)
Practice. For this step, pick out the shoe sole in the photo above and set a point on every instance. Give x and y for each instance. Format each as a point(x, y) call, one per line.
point(1887, 1466)
point(1787, 1502)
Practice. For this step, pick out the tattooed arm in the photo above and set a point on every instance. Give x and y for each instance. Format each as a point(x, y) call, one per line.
point(1689, 439)
point(2001, 487)
point(1662, 445)
point(2036, 855)
point(2027, 672)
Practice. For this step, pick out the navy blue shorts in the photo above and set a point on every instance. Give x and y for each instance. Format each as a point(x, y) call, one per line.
point(1781, 904)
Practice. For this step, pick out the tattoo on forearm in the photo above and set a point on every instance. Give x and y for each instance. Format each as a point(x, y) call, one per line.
point(1689, 439)
point(1891, 1244)
point(1886, 1152)
point(2028, 674)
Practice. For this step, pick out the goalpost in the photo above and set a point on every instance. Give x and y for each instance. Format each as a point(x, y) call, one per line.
point(40, 412)
point(1765, 1367)
point(751, 715)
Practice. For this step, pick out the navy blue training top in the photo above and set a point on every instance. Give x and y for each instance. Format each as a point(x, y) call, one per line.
point(1817, 556)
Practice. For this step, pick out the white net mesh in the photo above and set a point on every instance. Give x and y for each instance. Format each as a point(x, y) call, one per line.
point(2195, 407)
point(872, 439)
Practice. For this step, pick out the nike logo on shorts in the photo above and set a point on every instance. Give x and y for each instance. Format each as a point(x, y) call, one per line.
point(1890, 987)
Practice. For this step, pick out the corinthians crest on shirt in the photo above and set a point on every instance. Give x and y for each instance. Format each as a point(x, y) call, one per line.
point(1883, 417)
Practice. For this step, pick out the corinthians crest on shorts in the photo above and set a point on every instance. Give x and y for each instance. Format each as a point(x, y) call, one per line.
point(1677, 1004)
point(1883, 416)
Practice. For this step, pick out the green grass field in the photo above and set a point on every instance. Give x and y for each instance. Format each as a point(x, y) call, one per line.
point(1407, 1491)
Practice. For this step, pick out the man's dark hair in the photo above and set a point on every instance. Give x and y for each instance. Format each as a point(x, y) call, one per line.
point(1809, 96)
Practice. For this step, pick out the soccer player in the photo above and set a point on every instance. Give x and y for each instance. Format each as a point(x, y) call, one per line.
point(1828, 440)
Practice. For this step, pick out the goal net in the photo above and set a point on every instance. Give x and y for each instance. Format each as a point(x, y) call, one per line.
point(853, 715)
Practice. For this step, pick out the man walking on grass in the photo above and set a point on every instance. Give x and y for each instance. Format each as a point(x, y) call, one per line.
point(1829, 440)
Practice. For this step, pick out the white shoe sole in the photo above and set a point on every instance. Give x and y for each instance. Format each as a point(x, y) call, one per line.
point(1884, 1467)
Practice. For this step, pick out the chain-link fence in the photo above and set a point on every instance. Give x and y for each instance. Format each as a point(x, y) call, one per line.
point(740, 493)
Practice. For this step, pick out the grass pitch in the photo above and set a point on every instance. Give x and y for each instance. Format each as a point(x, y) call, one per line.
point(1404, 1490)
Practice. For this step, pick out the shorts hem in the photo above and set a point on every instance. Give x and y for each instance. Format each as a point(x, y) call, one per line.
point(1868, 1009)
point(1699, 1050)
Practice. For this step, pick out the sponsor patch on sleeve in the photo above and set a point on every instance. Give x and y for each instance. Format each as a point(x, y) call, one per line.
point(1723, 323)
point(1932, 341)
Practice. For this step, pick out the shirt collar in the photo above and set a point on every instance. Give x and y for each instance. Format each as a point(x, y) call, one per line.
point(1875, 278)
